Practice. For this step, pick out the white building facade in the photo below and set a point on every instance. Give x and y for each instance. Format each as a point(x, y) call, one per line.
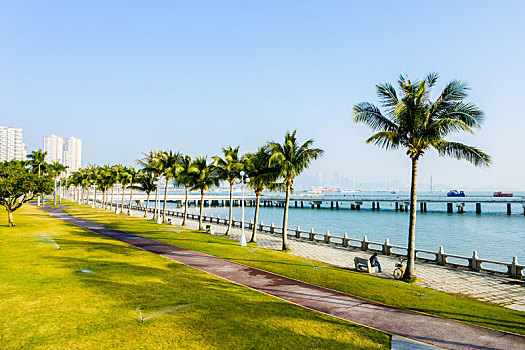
point(73, 154)
point(67, 153)
point(11, 144)
point(54, 146)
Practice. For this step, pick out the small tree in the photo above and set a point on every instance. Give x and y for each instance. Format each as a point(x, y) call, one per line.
point(18, 186)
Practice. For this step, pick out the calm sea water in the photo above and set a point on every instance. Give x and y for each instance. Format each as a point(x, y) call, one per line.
point(493, 234)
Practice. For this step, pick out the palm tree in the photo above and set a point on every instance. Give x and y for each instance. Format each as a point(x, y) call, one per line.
point(185, 178)
point(228, 169)
point(145, 182)
point(204, 177)
point(291, 159)
point(415, 123)
point(169, 163)
point(37, 161)
point(56, 169)
point(257, 167)
point(151, 162)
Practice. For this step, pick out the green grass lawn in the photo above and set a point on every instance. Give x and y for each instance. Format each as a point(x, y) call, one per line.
point(47, 301)
point(391, 292)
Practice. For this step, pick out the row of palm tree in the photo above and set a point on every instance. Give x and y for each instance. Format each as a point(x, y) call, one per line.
point(274, 167)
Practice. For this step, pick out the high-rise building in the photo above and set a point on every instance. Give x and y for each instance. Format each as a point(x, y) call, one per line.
point(11, 145)
point(73, 154)
point(54, 146)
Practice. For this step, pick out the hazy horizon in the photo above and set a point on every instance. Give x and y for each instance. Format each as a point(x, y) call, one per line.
point(195, 77)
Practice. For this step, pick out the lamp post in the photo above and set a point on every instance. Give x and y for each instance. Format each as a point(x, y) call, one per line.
point(244, 179)
point(157, 204)
point(94, 196)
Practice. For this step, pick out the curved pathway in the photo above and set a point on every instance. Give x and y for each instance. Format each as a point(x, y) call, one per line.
point(420, 327)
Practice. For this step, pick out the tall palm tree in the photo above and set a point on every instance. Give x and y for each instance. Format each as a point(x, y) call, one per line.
point(37, 161)
point(145, 182)
point(291, 159)
point(257, 167)
point(185, 178)
point(169, 163)
point(414, 122)
point(204, 177)
point(151, 162)
point(228, 169)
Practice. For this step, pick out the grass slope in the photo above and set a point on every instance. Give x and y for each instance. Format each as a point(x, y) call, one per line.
point(396, 293)
point(48, 302)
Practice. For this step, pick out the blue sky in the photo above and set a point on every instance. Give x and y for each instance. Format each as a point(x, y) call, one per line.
point(129, 76)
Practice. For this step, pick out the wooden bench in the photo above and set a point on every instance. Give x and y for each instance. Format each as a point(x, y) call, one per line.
point(364, 264)
point(209, 229)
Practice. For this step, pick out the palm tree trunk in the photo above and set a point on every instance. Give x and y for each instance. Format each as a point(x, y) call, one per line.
point(202, 207)
point(286, 246)
point(147, 203)
point(87, 196)
point(185, 207)
point(165, 197)
point(411, 253)
point(130, 198)
point(111, 201)
point(231, 209)
point(256, 216)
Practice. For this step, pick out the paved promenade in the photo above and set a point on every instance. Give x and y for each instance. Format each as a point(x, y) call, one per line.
point(424, 328)
point(499, 290)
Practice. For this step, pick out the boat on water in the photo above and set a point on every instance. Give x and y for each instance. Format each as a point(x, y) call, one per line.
point(501, 194)
point(456, 193)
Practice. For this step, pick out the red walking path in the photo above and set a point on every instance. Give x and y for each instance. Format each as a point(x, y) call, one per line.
point(424, 328)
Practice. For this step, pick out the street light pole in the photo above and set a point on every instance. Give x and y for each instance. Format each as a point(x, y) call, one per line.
point(243, 180)
point(157, 204)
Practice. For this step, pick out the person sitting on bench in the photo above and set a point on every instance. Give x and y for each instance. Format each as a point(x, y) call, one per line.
point(374, 262)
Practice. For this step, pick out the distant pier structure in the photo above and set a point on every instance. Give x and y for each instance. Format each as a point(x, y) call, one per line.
point(398, 203)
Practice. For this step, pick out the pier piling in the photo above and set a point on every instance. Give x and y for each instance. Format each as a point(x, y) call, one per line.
point(509, 209)
point(449, 208)
point(478, 208)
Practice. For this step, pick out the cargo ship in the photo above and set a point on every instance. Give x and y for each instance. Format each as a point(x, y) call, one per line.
point(501, 194)
point(456, 193)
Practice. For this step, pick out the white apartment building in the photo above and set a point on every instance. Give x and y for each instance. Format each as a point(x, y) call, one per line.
point(72, 154)
point(68, 153)
point(54, 146)
point(11, 145)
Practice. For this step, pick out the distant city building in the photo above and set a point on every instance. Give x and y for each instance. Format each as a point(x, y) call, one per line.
point(73, 154)
point(68, 153)
point(11, 145)
point(54, 146)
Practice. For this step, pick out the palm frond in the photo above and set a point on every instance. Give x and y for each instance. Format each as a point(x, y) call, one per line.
point(370, 115)
point(461, 151)
point(385, 139)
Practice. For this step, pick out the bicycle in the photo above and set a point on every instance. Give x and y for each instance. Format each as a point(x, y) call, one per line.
point(399, 271)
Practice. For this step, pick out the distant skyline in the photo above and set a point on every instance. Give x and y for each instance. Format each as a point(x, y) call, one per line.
point(198, 76)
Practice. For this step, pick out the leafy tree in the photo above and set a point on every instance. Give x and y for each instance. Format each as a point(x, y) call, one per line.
point(228, 169)
point(257, 167)
point(291, 159)
point(412, 121)
point(204, 177)
point(18, 185)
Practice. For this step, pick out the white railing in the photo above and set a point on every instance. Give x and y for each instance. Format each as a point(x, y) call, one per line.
point(473, 263)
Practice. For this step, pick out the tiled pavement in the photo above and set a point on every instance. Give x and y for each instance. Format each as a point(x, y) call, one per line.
point(495, 289)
